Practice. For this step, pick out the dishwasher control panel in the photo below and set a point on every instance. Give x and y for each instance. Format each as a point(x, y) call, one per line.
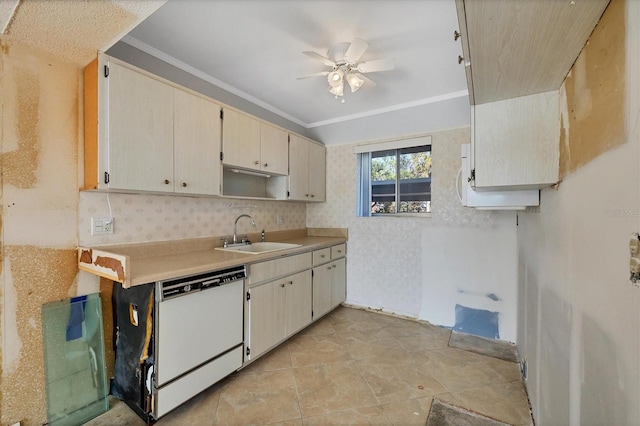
point(192, 283)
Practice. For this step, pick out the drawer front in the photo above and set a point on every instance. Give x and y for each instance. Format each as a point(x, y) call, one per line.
point(338, 251)
point(321, 256)
point(259, 272)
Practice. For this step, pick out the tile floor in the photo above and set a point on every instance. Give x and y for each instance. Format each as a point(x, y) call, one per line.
point(354, 367)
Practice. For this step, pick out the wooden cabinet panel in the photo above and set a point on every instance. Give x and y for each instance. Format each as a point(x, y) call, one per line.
point(298, 168)
point(271, 269)
point(298, 301)
point(317, 172)
point(515, 142)
point(274, 150)
point(338, 282)
point(140, 131)
point(196, 144)
point(322, 290)
point(321, 256)
point(240, 140)
point(267, 317)
point(338, 251)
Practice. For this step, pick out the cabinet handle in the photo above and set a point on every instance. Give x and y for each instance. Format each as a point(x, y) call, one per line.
point(329, 267)
point(290, 282)
point(322, 256)
point(256, 162)
point(166, 182)
point(306, 195)
point(282, 285)
point(184, 184)
point(312, 195)
point(339, 251)
point(334, 266)
point(456, 35)
point(266, 164)
point(460, 59)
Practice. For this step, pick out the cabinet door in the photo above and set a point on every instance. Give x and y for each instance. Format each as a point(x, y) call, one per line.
point(140, 115)
point(240, 140)
point(515, 142)
point(321, 290)
point(317, 172)
point(196, 144)
point(298, 301)
point(298, 168)
point(267, 317)
point(338, 282)
point(274, 150)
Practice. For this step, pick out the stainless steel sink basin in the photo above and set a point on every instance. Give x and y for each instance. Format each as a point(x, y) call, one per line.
point(259, 248)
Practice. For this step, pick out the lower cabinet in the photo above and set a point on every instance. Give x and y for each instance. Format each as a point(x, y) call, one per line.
point(329, 281)
point(278, 309)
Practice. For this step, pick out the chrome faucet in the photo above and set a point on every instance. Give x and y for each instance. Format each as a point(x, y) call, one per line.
point(235, 226)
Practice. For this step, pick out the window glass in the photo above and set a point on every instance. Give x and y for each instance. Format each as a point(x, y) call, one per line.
point(395, 181)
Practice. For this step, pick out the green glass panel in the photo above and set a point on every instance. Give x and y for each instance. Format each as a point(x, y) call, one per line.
point(74, 360)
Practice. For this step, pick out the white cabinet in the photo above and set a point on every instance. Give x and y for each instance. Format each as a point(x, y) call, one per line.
point(250, 144)
point(515, 143)
point(139, 137)
point(144, 134)
point(196, 144)
point(278, 309)
point(329, 279)
point(307, 170)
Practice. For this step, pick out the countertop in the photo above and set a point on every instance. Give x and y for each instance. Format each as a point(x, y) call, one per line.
point(138, 264)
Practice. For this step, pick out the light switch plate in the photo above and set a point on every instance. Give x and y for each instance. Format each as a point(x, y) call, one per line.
point(102, 225)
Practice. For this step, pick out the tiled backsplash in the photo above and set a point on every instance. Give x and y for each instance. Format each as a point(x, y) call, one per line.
point(145, 218)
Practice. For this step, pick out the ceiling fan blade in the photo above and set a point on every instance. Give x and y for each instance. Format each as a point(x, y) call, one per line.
point(320, 58)
point(317, 74)
point(367, 80)
point(377, 65)
point(355, 50)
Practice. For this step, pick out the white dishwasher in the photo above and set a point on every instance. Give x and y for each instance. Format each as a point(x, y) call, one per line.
point(198, 335)
point(175, 338)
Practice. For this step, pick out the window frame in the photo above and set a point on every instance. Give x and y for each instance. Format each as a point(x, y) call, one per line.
point(364, 185)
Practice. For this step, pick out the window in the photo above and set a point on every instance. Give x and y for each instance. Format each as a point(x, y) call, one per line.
point(395, 181)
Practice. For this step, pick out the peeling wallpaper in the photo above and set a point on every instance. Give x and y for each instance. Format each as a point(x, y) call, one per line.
point(140, 218)
point(389, 258)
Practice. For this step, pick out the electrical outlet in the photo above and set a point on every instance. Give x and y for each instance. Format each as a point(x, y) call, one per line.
point(102, 225)
point(279, 219)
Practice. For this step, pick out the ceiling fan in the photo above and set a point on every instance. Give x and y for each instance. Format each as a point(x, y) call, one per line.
point(343, 59)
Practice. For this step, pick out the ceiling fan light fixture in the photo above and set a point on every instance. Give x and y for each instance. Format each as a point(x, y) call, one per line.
point(355, 82)
point(335, 78)
point(337, 91)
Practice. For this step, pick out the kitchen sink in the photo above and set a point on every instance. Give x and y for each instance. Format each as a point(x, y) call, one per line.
point(259, 248)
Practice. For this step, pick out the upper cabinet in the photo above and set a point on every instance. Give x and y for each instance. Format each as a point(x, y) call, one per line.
point(250, 144)
point(307, 170)
point(144, 134)
point(520, 47)
point(516, 55)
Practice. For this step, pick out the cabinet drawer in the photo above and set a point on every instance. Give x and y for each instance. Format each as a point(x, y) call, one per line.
point(321, 256)
point(338, 251)
point(271, 269)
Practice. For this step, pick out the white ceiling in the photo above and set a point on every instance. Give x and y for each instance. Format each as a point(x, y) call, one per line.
point(254, 49)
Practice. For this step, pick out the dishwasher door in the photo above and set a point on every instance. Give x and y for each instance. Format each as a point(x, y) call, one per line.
point(195, 328)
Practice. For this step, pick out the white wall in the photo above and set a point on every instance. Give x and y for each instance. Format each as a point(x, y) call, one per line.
point(579, 313)
point(422, 267)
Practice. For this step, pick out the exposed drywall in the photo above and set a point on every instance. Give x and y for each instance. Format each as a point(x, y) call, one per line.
point(579, 322)
point(593, 96)
point(423, 267)
point(34, 275)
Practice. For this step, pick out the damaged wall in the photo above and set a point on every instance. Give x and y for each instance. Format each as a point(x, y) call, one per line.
point(44, 48)
point(579, 316)
point(39, 197)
